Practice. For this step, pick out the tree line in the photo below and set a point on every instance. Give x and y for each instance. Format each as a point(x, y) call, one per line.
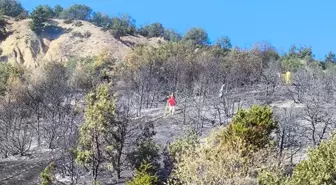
point(119, 26)
point(125, 25)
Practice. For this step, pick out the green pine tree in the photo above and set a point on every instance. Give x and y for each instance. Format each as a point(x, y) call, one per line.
point(143, 176)
point(100, 110)
point(40, 16)
point(47, 175)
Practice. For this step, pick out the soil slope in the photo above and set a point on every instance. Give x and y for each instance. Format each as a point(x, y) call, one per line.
point(68, 40)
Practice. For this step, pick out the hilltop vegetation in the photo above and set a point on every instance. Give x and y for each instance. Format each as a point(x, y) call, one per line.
point(101, 119)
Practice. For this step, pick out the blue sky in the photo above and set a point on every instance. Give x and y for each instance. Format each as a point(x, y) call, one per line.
point(281, 23)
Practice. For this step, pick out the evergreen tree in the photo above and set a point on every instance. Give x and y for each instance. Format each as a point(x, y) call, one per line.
point(40, 16)
point(155, 30)
point(102, 136)
point(331, 57)
point(197, 36)
point(3, 31)
point(143, 176)
point(224, 42)
point(58, 10)
point(11, 8)
point(99, 111)
point(77, 12)
point(47, 175)
point(124, 25)
point(100, 20)
point(172, 35)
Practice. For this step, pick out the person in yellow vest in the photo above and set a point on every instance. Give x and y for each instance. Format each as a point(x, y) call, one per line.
point(288, 77)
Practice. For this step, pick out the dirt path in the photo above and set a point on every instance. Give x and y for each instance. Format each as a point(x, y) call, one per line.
point(22, 171)
point(169, 127)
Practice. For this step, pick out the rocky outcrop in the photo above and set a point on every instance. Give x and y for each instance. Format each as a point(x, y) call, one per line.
point(22, 45)
point(25, 47)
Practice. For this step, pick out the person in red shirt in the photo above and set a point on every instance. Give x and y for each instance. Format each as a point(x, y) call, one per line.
point(171, 103)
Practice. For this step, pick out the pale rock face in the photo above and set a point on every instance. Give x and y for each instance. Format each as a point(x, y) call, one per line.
point(23, 46)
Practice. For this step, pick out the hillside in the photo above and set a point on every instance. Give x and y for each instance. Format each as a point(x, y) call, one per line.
point(87, 105)
point(68, 40)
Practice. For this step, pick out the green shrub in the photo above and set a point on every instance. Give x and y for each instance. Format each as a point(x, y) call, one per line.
point(87, 34)
point(224, 43)
point(40, 16)
point(58, 10)
point(78, 24)
point(253, 126)
point(123, 25)
point(172, 35)
point(100, 20)
point(271, 177)
point(154, 30)
point(77, 34)
point(104, 29)
point(212, 162)
point(76, 12)
point(318, 168)
point(7, 71)
point(4, 75)
point(196, 36)
point(22, 16)
point(147, 151)
point(143, 31)
point(47, 175)
point(68, 21)
point(11, 8)
point(67, 30)
point(86, 72)
point(189, 141)
point(3, 31)
point(291, 64)
point(116, 33)
point(49, 11)
point(232, 155)
point(143, 176)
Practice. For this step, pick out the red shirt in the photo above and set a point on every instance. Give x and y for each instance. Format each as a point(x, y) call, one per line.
point(171, 101)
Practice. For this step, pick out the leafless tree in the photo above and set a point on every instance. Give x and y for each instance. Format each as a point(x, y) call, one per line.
point(184, 101)
point(329, 84)
point(320, 120)
point(270, 77)
point(301, 83)
point(52, 92)
point(32, 98)
point(68, 141)
point(226, 104)
point(15, 127)
point(318, 112)
point(289, 134)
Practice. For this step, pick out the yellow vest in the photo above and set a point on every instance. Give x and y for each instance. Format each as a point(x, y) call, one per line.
point(288, 77)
